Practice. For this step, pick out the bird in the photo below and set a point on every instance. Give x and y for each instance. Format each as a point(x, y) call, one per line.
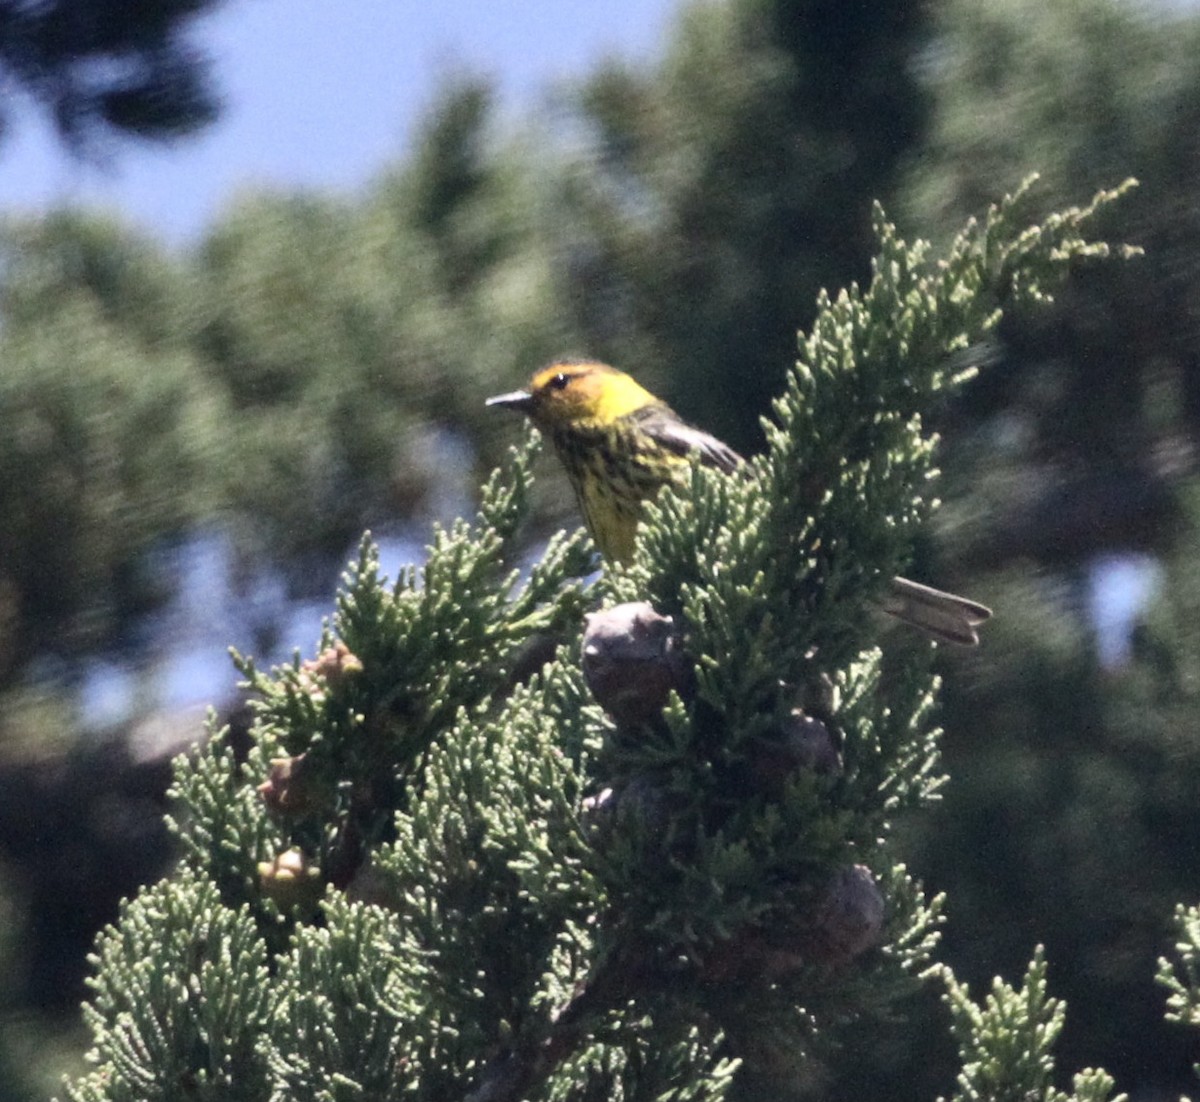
point(619, 445)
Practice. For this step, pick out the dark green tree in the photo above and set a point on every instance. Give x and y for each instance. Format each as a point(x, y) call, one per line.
point(358, 341)
point(103, 70)
point(1069, 815)
point(111, 437)
point(1100, 392)
point(329, 345)
point(720, 190)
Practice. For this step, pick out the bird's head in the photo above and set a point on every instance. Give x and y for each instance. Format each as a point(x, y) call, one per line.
point(576, 393)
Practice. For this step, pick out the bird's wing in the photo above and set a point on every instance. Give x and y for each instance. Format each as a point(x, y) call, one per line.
point(663, 425)
point(945, 616)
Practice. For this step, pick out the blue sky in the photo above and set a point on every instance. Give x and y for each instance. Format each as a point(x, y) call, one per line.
point(323, 94)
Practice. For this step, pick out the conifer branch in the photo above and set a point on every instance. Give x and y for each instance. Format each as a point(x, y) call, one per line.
point(519, 1073)
point(455, 875)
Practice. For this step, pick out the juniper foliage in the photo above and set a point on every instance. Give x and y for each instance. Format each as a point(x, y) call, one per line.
point(1180, 975)
point(1007, 1043)
point(443, 872)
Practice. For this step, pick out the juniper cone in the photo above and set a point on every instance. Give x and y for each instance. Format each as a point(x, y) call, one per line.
point(632, 660)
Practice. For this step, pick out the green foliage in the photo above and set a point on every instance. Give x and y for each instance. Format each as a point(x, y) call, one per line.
point(1181, 975)
point(111, 437)
point(181, 997)
point(1083, 93)
point(345, 1040)
point(1072, 809)
point(316, 368)
point(460, 628)
point(779, 570)
point(87, 262)
point(723, 188)
point(456, 625)
point(349, 338)
point(313, 370)
point(223, 835)
point(1075, 90)
point(759, 565)
point(453, 876)
point(1072, 813)
point(872, 361)
point(1007, 1043)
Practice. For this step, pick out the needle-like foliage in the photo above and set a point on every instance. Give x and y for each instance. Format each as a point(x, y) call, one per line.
point(444, 872)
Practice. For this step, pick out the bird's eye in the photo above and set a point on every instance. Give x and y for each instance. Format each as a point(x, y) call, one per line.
point(560, 381)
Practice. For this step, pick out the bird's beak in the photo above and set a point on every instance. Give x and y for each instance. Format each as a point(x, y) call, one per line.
point(520, 400)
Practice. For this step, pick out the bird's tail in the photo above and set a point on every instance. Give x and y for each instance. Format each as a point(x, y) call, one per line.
point(946, 616)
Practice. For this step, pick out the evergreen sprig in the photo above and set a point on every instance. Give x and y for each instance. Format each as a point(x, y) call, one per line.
point(181, 1000)
point(1181, 975)
point(348, 1023)
point(1006, 1043)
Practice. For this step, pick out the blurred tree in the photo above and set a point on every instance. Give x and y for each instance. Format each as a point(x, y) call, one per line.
point(358, 342)
point(1071, 817)
point(110, 436)
point(342, 348)
point(721, 190)
point(111, 455)
point(105, 70)
point(1099, 400)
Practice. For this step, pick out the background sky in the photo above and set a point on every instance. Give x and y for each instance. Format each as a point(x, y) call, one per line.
point(323, 94)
